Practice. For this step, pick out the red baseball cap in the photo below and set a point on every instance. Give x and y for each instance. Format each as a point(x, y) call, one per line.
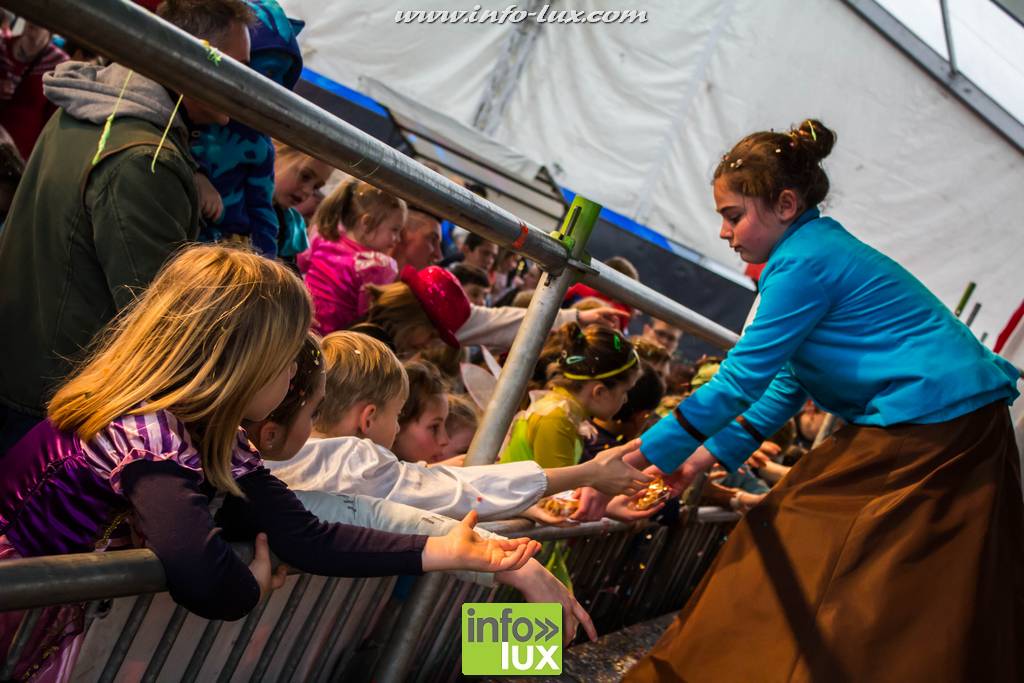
point(442, 298)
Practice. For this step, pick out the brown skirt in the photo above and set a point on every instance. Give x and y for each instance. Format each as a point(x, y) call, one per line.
point(884, 555)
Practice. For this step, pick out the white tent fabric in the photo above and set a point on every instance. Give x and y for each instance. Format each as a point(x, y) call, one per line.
point(635, 116)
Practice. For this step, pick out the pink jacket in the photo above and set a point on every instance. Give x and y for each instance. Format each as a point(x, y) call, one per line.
point(336, 273)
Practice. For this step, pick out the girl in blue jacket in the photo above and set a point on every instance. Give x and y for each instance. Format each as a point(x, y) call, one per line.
point(894, 550)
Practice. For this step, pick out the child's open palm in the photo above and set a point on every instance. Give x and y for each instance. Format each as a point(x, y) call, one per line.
point(462, 548)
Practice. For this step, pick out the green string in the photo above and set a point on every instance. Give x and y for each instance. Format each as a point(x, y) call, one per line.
point(163, 138)
point(212, 54)
point(105, 135)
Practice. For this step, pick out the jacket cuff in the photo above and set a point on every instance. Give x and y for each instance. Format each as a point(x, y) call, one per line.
point(732, 445)
point(667, 444)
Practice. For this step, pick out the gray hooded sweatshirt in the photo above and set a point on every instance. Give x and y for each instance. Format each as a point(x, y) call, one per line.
point(89, 93)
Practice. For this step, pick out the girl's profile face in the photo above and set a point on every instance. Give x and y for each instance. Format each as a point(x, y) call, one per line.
point(749, 225)
point(424, 439)
point(385, 235)
point(302, 424)
point(270, 395)
point(418, 339)
point(459, 439)
point(299, 180)
point(602, 401)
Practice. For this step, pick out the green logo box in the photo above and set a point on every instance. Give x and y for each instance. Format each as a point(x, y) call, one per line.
point(511, 639)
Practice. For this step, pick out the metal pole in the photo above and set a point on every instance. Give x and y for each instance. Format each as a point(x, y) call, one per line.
point(21, 637)
point(575, 231)
point(402, 647)
point(58, 580)
point(828, 425)
point(203, 647)
point(624, 289)
point(159, 657)
point(947, 28)
point(138, 39)
point(522, 357)
point(124, 641)
point(973, 315)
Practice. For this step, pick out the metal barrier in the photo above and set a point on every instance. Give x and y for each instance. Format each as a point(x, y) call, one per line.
point(316, 628)
point(130, 35)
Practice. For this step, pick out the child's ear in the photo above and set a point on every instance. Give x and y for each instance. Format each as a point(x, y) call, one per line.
point(270, 435)
point(598, 390)
point(367, 414)
point(364, 223)
point(787, 206)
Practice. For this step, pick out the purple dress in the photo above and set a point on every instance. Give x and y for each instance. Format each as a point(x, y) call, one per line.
point(59, 495)
point(143, 474)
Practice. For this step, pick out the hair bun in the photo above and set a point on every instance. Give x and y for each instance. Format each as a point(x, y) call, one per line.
point(816, 138)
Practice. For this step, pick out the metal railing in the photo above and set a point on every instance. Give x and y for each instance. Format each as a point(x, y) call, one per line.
point(131, 36)
point(317, 628)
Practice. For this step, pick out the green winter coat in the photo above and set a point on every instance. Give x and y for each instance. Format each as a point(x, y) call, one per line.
point(81, 240)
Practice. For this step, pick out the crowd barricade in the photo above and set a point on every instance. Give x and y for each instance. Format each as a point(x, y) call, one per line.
point(318, 628)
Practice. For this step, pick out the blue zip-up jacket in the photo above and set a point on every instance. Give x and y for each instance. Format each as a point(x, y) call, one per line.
point(239, 160)
point(850, 327)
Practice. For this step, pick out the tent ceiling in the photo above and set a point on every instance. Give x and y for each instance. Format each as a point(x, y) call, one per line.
point(635, 116)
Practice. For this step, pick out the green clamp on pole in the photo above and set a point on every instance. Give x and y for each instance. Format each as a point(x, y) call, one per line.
point(576, 228)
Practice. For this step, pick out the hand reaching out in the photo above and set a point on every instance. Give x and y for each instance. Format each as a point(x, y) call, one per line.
point(462, 548)
point(540, 515)
point(619, 508)
point(592, 505)
point(607, 316)
point(537, 584)
point(765, 454)
point(612, 476)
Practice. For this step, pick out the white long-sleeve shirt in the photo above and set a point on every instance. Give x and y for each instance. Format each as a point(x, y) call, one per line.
point(497, 327)
point(386, 515)
point(352, 465)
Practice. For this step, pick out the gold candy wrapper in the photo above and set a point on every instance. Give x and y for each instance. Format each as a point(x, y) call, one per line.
point(561, 506)
point(655, 492)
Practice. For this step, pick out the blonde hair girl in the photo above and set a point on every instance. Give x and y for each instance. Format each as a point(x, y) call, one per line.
point(215, 327)
point(154, 415)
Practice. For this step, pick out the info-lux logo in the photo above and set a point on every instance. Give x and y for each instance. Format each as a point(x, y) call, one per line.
point(511, 638)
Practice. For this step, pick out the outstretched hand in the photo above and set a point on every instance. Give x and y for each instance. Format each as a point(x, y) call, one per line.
point(606, 315)
point(613, 476)
point(592, 505)
point(537, 584)
point(620, 508)
point(269, 579)
point(541, 515)
point(462, 548)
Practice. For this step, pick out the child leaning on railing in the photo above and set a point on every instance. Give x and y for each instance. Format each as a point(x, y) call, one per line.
point(148, 429)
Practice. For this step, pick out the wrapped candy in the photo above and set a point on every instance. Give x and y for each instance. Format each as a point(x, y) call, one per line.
point(562, 504)
point(655, 492)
